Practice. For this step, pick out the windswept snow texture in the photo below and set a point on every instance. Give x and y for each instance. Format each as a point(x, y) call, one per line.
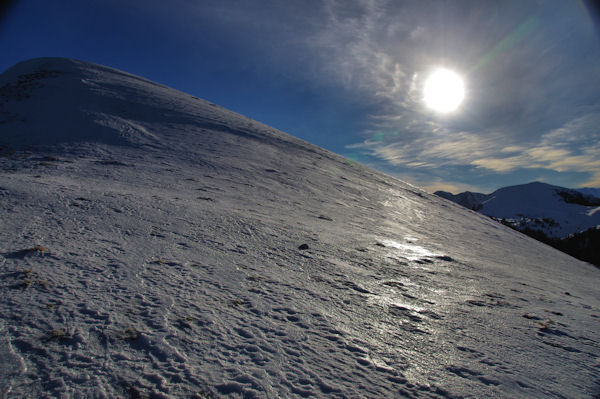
point(157, 245)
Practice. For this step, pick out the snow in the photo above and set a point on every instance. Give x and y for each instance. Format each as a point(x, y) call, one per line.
point(150, 248)
point(536, 205)
point(595, 192)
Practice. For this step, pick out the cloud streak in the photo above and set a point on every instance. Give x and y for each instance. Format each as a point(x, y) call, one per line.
point(574, 147)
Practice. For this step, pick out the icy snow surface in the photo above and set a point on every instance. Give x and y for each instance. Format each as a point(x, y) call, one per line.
point(150, 247)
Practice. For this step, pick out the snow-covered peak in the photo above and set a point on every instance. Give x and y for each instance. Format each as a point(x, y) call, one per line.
point(156, 245)
point(85, 102)
point(557, 211)
point(467, 199)
point(81, 102)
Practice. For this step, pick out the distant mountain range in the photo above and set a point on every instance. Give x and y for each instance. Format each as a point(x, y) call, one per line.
point(552, 214)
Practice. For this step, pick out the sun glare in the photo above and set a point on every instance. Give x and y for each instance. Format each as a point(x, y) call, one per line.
point(444, 91)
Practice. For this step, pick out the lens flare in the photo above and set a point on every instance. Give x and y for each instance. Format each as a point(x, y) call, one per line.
point(444, 91)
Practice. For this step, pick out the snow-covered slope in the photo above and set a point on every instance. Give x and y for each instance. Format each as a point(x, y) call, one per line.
point(156, 245)
point(557, 211)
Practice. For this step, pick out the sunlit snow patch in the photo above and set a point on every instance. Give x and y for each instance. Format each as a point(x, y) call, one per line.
point(410, 250)
point(592, 211)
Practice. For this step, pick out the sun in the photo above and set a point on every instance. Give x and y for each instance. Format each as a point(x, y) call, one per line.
point(444, 91)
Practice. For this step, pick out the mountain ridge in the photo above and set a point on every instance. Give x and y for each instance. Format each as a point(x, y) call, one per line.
point(78, 79)
point(557, 211)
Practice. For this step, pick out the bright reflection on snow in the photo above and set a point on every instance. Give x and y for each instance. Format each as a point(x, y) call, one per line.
point(410, 251)
point(592, 211)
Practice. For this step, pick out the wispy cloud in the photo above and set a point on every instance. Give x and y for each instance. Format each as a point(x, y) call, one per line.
point(353, 48)
point(520, 114)
point(574, 147)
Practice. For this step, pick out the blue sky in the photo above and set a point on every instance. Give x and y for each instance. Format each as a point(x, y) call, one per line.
point(348, 75)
